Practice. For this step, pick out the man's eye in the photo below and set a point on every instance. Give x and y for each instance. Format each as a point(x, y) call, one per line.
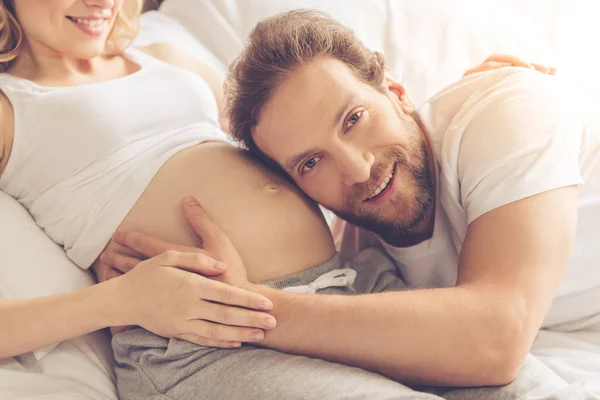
point(310, 164)
point(353, 119)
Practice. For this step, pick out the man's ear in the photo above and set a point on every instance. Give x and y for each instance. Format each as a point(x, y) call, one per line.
point(397, 90)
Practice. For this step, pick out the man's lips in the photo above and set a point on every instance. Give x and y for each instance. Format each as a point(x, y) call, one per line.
point(383, 185)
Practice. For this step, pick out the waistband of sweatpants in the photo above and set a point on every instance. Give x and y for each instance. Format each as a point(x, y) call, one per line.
point(306, 276)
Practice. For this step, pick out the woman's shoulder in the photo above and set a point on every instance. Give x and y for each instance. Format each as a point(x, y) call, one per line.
point(168, 53)
point(2, 131)
point(6, 130)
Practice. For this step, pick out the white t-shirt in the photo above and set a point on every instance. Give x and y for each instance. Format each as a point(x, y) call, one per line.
point(499, 137)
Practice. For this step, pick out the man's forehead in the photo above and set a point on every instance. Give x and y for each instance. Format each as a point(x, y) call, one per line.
point(304, 104)
point(317, 83)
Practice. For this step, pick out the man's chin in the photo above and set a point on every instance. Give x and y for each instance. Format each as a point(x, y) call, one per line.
point(392, 223)
point(379, 225)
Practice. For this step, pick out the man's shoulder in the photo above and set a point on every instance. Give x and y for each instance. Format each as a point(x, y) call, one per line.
point(496, 113)
point(518, 135)
point(464, 98)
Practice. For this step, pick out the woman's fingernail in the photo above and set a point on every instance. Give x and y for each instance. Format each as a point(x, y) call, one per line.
point(219, 266)
point(266, 305)
point(235, 344)
point(259, 335)
point(269, 322)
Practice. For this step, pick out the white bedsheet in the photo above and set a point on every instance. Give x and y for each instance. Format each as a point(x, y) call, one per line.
point(573, 352)
point(76, 369)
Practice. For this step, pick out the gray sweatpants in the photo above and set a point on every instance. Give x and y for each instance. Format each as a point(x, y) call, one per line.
point(152, 367)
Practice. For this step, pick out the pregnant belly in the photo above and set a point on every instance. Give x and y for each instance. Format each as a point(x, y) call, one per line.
point(275, 228)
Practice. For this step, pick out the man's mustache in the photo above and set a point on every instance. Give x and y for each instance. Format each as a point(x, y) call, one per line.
point(363, 190)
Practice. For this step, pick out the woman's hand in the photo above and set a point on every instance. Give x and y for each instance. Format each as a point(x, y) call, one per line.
point(496, 61)
point(166, 299)
point(229, 277)
point(134, 247)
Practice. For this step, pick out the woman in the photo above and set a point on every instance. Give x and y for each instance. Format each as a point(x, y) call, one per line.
point(135, 131)
point(126, 159)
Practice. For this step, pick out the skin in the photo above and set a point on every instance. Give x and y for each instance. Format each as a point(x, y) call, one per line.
point(248, 201)
point(474, 334)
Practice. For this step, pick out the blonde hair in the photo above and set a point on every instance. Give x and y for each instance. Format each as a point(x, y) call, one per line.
point(123, 32)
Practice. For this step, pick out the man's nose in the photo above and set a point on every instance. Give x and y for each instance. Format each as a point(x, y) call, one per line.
point(355, 165)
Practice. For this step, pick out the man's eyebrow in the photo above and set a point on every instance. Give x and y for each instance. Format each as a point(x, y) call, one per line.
point(296, 159)
point(340, 114)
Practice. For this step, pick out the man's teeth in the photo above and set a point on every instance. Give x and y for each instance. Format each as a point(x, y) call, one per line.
point(89, 22)
point(383, 185)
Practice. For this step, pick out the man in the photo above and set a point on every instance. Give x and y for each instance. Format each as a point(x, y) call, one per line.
point(477, 197)
point(479, 194)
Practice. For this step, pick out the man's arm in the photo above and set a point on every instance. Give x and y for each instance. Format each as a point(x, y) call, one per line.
point(474, 334)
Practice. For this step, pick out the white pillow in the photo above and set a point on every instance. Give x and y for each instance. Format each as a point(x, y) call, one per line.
point(429, 44)
point(32, 265)
point(156, 27)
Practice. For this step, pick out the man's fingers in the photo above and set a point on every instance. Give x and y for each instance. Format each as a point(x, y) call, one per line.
point(118, 261)
point(201, 341)
point(226, 294)
point(506, 58)
point(194, 262)
point(544, 69)
point(487, 66)
point(113, 273)
point(223, 333)
point(237, 316)
point(198, 218)
point(146, 245)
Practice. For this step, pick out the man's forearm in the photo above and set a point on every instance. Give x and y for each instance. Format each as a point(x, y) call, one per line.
point(439, 336)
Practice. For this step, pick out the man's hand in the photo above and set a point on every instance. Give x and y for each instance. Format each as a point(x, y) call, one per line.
point(224, 323)
point(496, 61)
point(218, 257)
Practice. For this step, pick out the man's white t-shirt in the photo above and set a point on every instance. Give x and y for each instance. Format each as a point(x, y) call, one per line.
point(499, 137)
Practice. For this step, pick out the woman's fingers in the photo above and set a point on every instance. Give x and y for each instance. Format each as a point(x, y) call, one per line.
point(228, 315)
point(201, 341)
point(226, 294)
point(210, 289)
point(193, 262)
point(223, 333)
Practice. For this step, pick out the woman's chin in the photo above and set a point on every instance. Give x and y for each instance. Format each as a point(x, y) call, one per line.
point(88, 52)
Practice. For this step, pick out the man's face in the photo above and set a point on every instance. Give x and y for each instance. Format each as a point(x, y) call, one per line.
point(356, 150)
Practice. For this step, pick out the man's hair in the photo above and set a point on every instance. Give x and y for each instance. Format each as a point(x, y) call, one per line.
point(275, 48)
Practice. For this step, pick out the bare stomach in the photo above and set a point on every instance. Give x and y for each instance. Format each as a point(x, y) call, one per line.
point(275, 228)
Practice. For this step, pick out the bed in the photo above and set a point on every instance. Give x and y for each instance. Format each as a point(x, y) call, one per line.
point(428, 44)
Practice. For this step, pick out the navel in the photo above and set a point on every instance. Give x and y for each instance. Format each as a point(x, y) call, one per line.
point(271, 187)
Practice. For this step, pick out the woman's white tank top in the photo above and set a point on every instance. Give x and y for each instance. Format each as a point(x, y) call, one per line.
point(83, 155)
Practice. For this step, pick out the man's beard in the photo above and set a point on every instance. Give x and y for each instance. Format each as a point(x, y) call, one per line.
point(408, 210)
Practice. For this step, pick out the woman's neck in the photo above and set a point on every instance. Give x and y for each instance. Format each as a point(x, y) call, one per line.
point(43, 64)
